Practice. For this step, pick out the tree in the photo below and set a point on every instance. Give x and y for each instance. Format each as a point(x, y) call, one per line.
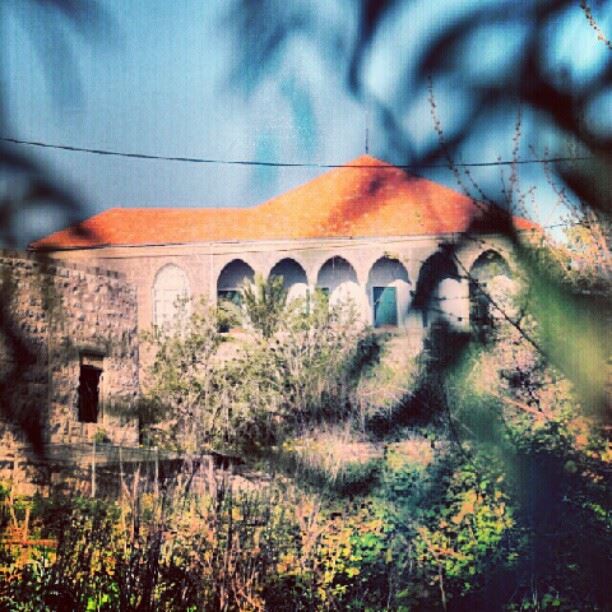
point(206, 389)
point(183, 394)
point(264, 303)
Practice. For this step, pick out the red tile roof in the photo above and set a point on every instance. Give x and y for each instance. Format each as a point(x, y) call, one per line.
point(367, 197)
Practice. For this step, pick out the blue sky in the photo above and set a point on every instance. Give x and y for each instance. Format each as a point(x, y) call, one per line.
point(159, 82)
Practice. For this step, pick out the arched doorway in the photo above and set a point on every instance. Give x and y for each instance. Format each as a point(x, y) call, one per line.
point(489, 288)
point(294, 278)
point(231, 280)
point(388, 291)
point(439, 292)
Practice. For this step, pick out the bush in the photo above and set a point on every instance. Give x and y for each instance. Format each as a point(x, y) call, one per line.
point(206, 390)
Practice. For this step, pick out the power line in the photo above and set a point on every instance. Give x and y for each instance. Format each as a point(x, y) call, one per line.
point(244, 162)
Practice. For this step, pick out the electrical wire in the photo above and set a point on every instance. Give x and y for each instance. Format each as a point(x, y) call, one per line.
point(271, 164)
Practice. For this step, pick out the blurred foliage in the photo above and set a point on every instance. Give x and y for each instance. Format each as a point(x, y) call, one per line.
point(347, 35)
point(538, 84)
point(502, 502)
point(27, 187)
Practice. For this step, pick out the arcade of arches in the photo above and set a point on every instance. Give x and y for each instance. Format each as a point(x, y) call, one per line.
point(443, 288)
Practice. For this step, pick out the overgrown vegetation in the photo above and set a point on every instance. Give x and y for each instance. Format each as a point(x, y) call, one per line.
point(497, 499)
point(298, 364)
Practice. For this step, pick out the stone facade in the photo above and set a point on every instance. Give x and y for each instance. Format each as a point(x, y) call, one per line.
point(418, 267)
point(68, 353)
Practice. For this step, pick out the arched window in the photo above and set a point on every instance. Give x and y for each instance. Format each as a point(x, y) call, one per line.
point(170, 293)
point(437, 293)
point(338, 280)
point(334, 274)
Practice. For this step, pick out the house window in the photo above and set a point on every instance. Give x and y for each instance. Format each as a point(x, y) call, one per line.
point(385, 306)
point(89, 388)
point(233, 277)
point(170, 288)
point(484, 275)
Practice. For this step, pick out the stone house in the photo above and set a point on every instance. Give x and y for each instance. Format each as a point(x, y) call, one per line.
point(68, 353)
point(408, 252)
point(401, 247)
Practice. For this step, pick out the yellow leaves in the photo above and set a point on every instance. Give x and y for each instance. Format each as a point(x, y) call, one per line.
point(465, 538)
point(467, 507)
point(389, 555)
point(374, 525)
point(500, 510)
point(607, 454)
point(288, 564)
point(328, 577)
point(437, 544)
point(322, 594)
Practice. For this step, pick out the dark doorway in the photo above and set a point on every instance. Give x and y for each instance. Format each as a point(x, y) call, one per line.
point(89, 393)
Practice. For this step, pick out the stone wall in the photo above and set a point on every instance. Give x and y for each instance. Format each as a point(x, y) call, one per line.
point(58, 320)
